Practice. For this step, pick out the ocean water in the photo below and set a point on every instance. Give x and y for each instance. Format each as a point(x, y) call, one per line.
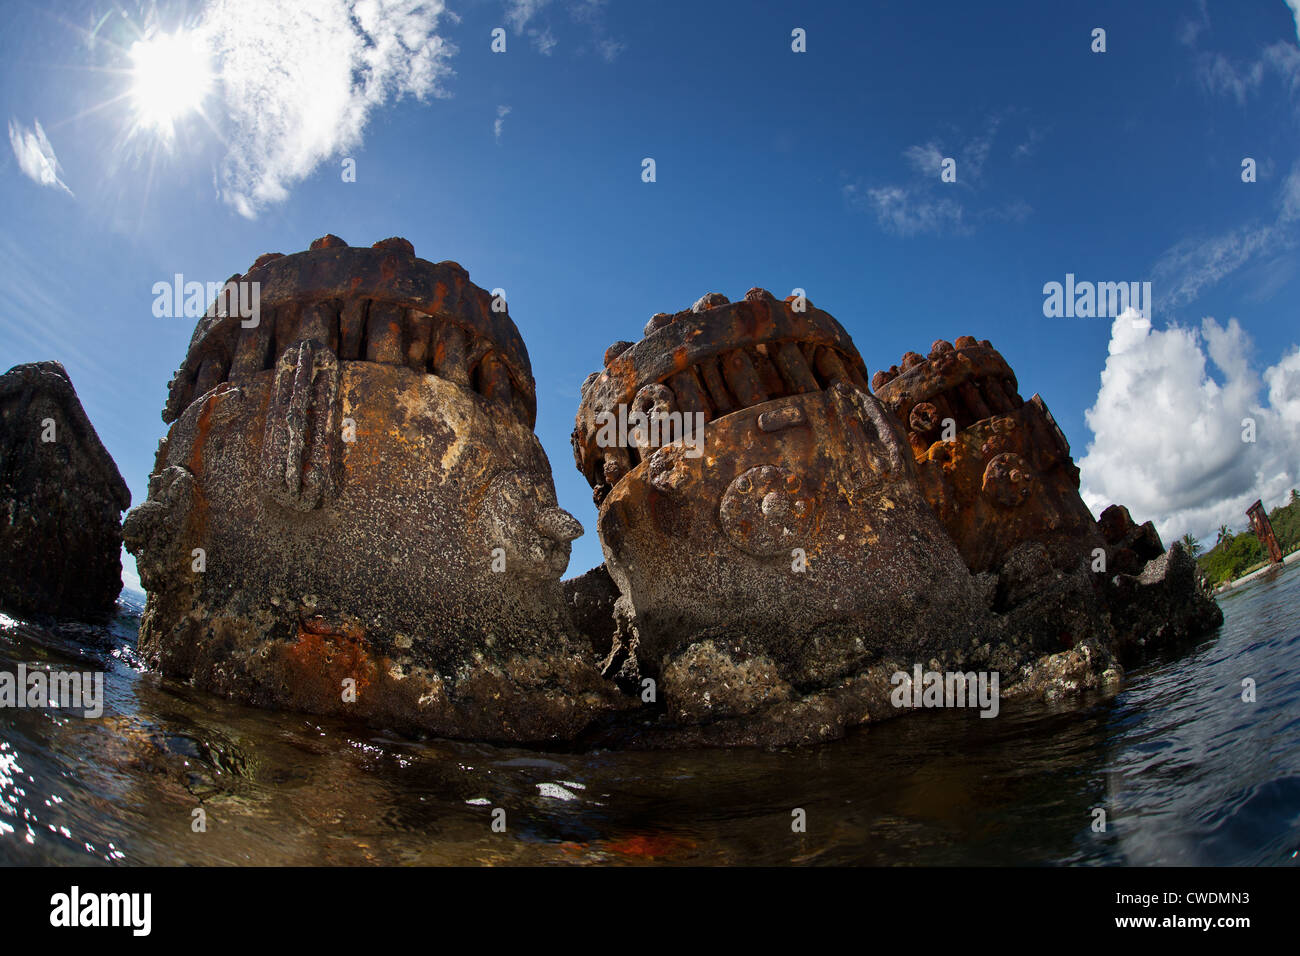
point(1185, 770)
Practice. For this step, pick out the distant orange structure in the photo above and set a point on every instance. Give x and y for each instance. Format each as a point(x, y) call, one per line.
point(1263, 529)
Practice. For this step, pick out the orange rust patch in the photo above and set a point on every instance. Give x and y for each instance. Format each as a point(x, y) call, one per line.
point(198, 519)
point(324, 655)
point(680, 358)
point(651, 845)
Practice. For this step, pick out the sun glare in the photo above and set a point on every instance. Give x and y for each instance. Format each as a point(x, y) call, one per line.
point(170, 77)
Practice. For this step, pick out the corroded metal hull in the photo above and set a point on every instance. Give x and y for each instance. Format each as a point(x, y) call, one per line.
point(351, 513)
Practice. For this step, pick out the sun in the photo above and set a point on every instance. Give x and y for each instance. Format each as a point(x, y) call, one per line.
point(170, 76)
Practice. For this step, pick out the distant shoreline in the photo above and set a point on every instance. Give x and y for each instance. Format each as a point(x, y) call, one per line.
point(1250, 575)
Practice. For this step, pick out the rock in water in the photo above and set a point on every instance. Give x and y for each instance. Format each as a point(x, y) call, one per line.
point(351, 514)
point(63, 498)
point(771, 535)
point(996, 469)
point(783, 562)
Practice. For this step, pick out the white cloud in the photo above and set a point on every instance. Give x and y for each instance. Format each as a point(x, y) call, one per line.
point(1284, 59)
point(1192, 265)
point(1218, 75)
point(929, 205)
point(300, 78)
point(544, 40)
point(130, 575)
point(520, 12)
point(1191, 29)
point(35, 155)
point(589, 13)
point(1030, 145)
point(609, 49)
point(1184, 270)
point(500, 124)
point(592, 13)
point(1168, 434)
point(908, 212)
point(1289, 200)
point(926, 159)
point(976, 152)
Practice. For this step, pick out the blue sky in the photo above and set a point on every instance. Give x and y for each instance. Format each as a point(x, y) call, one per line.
point(817, 170)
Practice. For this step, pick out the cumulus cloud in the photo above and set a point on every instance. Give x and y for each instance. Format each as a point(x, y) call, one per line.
point(299, 88)
point(500, 124)
point(35, 155)
point(1168, 427)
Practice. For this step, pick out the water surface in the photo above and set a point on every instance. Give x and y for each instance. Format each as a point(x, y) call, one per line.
point(1186, 772)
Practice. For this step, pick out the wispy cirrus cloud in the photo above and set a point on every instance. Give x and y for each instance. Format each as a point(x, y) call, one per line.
point(35, 155)
point(908, 212)
point(1221, 75)
point(1030, 145)
point(498, 127)
point(526, 18)
point(1195, 264)
point(926, 204)
point(1191, 28)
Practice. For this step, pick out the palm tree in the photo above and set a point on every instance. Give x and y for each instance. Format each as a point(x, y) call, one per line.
point(1191, 545)
point(1224, 532)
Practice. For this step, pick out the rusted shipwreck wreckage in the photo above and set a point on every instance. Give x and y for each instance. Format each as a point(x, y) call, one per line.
point(351, 514)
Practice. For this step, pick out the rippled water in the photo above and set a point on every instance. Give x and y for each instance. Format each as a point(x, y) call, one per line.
point(1186, 771)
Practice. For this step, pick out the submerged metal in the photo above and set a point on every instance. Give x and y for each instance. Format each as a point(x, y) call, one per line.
point(782, 578)
point(351, 513)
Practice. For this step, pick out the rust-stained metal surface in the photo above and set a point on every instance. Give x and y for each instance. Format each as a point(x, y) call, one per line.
point(1263, 528)
point(996, 469)
point(351, 514)
point(775, 580)
point(351, 491)
point(715, 358)
point(795, 550)
point(379, 304)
